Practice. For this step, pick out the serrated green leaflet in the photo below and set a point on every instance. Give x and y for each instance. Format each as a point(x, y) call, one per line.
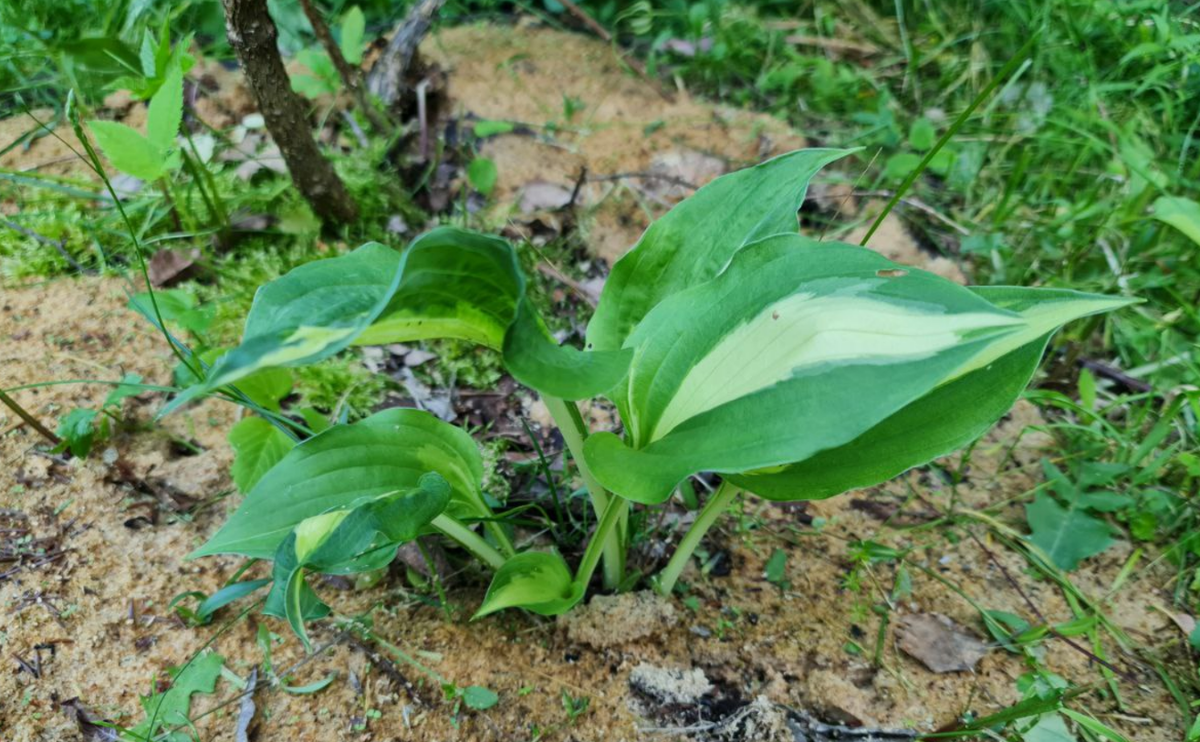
point(799, 347)
point(128, 150)
point(165, 113)
point(534, 580)
point(347, 465)
point(694, 241)
point(147, 157)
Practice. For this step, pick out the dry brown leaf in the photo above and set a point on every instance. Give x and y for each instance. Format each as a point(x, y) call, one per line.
point(939, 643)
point(169, 267)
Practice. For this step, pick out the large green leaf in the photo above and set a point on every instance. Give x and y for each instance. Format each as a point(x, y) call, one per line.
point(466, 285)
point(534, 580)
point(944, 420)
point(937, 424)
point(307, 315)
point(796, 348)
point(348, 465)
point(694, 241)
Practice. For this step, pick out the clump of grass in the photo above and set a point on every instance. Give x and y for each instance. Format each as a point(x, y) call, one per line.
point(338, 384)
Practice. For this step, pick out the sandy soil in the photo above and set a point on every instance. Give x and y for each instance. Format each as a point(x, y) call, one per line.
point(102, 605)
point(625, 127)
point(124, 520)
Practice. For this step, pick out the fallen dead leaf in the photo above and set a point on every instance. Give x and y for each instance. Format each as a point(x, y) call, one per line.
point(539, 196)
point(939, 643)
point(169, 267)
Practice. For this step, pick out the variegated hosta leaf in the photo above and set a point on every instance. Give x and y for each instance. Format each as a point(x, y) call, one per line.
point(346, 541)
point(449, 283)
point(694, 241)
point(466, 285)
point(801, 347)
point(349, 465)
point(307, 315)
point(534, 580)
point(949, 417)
point(455, 284)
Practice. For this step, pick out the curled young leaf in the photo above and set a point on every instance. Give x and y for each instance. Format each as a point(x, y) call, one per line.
point(128, 150)
point(799, 347)
point(347, 466)
point(534, 580)
point(346, 541)
point(469, 286)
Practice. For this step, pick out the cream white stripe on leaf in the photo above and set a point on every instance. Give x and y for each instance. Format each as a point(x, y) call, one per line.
point(805, 330)
point(798, 347)
point(1040, 320)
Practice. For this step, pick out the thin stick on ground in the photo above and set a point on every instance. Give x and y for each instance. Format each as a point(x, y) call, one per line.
point(352, 77)
point(59, 245)
point(29, 419)
point(1124, 675)
point(603, 33)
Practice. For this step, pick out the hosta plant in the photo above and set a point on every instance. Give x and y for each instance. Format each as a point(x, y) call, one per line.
point(795, 369)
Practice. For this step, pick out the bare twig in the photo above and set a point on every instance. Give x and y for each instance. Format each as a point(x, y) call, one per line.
point(833, 45)
point(30, 420)
point(386, 80)
point(579, 182)
point(1115, 374)
point(603, 33)
point(549, 269)
point(673, 180)
point(351, 76)
point(59, 245)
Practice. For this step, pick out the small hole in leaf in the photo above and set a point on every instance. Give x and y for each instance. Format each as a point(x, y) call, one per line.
point(891, 273)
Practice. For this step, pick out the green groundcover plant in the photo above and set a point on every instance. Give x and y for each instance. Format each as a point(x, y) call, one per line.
point(793, 368)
